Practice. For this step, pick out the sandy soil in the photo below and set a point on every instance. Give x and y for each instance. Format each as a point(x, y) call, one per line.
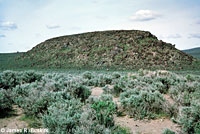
point(146, 127)
point(169, 99)
point(13, 121)
point(97, 91)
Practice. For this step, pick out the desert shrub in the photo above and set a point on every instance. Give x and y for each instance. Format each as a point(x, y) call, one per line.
point(136, 83)
point(141, 104)
point(81, 92)
point(117, 89)
point(37, 102)
point(146, 79)
point(120, 130)
point(141, 72)
point(168, 131)
point(167, 82)
point(190, 78)
point(5, 100)
point(116, 75)
point(92, 82)
point(87, 75)
point(31, 76)
point(105, 109)
point(104, 79)
point(35, 98)
point(63, 116)
point(108, 79)
point(9, 79)
point(89, 123)
point(183, 93)
point(70, 82)
point(157, 86)
point(107, 89)
point(190, 119)
point(20, 92)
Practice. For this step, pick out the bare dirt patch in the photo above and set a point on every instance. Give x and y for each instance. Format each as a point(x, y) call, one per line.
point(169, 99)
point(97, 91)
point(13, 121)
point(146, 127)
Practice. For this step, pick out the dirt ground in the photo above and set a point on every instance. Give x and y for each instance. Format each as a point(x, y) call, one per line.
point(146, 127)
point(13, 122)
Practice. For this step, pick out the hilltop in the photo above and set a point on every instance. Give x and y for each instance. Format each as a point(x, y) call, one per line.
point(195, 52)
point(120, 49)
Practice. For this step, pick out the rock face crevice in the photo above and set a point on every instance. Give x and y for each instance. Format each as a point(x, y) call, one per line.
point(128, 49)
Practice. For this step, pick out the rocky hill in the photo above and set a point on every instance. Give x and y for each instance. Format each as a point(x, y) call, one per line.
point(121, 49)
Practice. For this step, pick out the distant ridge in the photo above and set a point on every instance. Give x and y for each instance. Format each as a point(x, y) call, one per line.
point(120, 49)
point(195, 52)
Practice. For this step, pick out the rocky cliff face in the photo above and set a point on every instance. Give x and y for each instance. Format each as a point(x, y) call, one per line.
point(125, 49)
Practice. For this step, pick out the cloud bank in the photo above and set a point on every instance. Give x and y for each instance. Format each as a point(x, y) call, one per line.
point(195, 35)
point(2, 36)
point(145, 15)
point(170, 36)
point(7, 25)
point(52, 26)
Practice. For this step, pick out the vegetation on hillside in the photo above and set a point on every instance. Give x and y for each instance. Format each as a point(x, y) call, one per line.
point(8, 60)
point(125, 49)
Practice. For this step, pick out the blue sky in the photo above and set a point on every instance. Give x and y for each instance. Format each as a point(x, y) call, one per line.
point(25, 23)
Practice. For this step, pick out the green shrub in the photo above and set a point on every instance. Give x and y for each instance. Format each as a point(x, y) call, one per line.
point(9, 79)
point(63, 116)
point(190, 119)
point(104, 79)
point(35, 99)
point(81, 92)
point(89, 124)
point(190, 77)
point(168, 131)
point(140, 104)
point(116, 75)
point(117, 89)
point(167, 82)
point(31, 76)
point(20, 92)
point(87, 75)
point(105, 109)
point(5, 101)
point(92, 82)
point(184, 93)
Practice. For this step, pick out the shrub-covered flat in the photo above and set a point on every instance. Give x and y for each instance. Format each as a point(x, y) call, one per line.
point(64, 102)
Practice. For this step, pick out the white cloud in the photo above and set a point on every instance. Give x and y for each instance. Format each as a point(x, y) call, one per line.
point(170, 36)
point(145, 15)
point(2, 36)
point(195, 35)
point(7, 25)
point(52, 26)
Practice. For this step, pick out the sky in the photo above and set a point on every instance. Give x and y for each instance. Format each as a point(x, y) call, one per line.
point(26, 23)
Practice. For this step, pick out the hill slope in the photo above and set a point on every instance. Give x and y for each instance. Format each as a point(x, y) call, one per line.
point(194, 52)
point(8, 60)
point(122, 49)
